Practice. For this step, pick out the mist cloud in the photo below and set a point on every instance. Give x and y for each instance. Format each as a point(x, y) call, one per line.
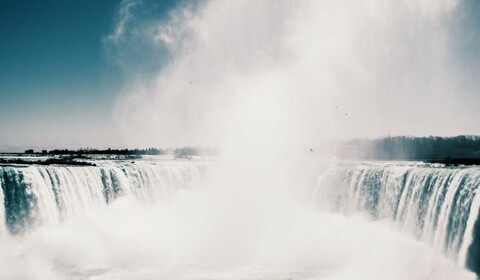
point(291, 73)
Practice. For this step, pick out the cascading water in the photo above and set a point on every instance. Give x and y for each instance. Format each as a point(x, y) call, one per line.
point(45, 195)
point(437, 204)
point(3, 229)
point(247, 220)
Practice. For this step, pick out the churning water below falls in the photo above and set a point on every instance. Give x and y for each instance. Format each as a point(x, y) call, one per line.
point(199, 219)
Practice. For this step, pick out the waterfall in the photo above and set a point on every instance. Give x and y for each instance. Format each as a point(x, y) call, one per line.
point(3, 228)
point(41, 195)
point(437, 204)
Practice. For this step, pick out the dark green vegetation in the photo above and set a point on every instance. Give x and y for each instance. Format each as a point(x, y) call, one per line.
point(89, 151)
point(448, 150)
point(178, 152)
point(458, 150)
point(70, 160)
point(86, 157)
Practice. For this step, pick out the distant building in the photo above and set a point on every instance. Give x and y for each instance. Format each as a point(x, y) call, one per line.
point(44, 152)
point(29, 151)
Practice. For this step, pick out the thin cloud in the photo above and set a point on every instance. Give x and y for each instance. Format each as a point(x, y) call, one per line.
point(124, 16)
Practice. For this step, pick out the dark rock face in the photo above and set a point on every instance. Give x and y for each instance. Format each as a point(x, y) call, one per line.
point(473, 254)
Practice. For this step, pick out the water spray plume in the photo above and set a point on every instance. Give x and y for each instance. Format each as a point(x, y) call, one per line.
point(270, 76)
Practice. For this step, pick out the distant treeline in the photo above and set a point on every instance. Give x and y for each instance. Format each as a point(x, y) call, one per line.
point(433, 148)
point(89, 151)
point(178, 152)
point(412, 148)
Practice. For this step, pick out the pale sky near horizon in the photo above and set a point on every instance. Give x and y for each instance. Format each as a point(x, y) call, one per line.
point(65, 65)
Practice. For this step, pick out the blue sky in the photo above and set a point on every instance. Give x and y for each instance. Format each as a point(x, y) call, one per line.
point(57, 81)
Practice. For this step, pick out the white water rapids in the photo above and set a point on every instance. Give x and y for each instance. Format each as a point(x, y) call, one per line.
point(166, 219)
